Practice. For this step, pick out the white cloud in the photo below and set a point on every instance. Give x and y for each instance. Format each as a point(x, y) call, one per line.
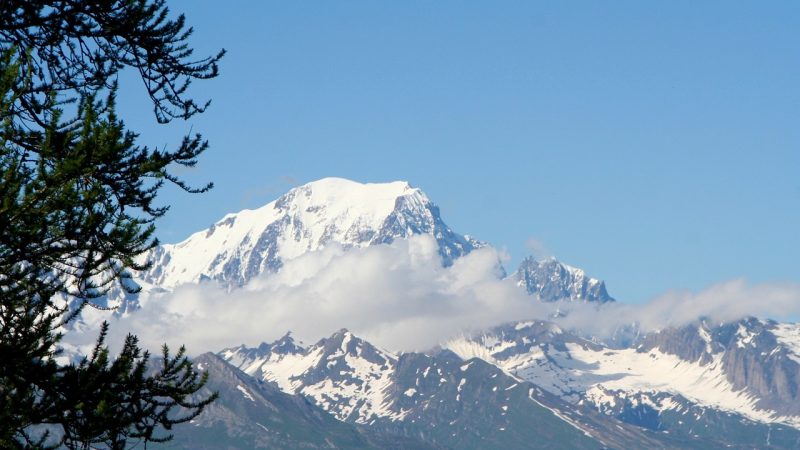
point(400, 297)
point(537, 248)
point(723, 302)
point(397, 296)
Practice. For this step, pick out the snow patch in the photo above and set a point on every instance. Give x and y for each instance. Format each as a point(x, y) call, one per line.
point(788, 335)
point(245, 393)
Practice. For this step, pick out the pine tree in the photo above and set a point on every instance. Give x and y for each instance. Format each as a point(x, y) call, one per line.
point(77, 205)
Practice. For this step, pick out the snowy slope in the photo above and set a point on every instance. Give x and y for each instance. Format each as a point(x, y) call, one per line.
point(788, 335)
point(307, 218)
point(530, 381)
point(343, 374)
point(252, 415)
point(582, 371)
point(440, 398)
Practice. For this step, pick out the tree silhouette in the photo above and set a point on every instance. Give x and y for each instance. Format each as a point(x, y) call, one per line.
point(77, 206)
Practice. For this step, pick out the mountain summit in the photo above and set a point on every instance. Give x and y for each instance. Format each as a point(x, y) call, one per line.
point(307, 218)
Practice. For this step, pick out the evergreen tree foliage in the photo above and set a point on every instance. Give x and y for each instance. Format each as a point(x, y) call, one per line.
point(77, 205)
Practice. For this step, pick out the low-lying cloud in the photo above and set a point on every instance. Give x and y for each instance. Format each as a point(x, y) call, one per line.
point(400, 297)
point(720, 303)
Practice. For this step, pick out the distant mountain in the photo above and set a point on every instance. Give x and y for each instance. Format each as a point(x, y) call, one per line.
point(251, 414)
point(528, 384)
point(440, 398)
point(341, 365)
point(307, 218)
point(759, 357)
point(331, 211)
point(696, 381)
point(552, 281)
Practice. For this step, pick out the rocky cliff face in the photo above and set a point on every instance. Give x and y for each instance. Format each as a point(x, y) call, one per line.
point(758, 356)
point(552, 281)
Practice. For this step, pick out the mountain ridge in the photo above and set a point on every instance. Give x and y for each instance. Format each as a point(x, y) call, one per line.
point(639, 389)
point(307, 218)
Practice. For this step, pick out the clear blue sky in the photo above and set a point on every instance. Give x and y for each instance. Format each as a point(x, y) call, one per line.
point(655, 145)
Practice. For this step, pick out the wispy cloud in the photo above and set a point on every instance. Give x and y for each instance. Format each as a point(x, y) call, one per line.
point(722, 302)
point(400, 297)
point(537, 248)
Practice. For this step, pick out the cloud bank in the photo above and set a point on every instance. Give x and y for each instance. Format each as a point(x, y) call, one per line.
point(397, 296)
point(720, 303)
point(400, 297)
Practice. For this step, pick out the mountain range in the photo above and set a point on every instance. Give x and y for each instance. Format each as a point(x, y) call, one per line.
point(525, 384)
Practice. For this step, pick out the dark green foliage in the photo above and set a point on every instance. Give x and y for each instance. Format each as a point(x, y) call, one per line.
point(136, 407)
point(78, 46)
point(77, 205)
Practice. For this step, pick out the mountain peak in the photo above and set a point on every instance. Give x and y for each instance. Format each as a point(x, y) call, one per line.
point(553, 280)
point(338, 184)
point(307, 218)
point(286, 345)
point(341, 199)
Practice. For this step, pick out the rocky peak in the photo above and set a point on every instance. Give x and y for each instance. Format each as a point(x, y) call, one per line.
point(286, 345)
point(343, 347)
point(552, 281)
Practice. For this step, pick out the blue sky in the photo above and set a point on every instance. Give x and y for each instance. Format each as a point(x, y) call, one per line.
point(657, 146)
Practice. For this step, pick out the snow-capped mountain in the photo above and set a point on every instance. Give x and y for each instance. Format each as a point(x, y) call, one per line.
point(758, 357)
point(341, 367)
point(522, 385)
point(441, 398)
point(330, 212)
point(253, 414)
point(747, 370)
point(307, 218)
point(552, 281)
